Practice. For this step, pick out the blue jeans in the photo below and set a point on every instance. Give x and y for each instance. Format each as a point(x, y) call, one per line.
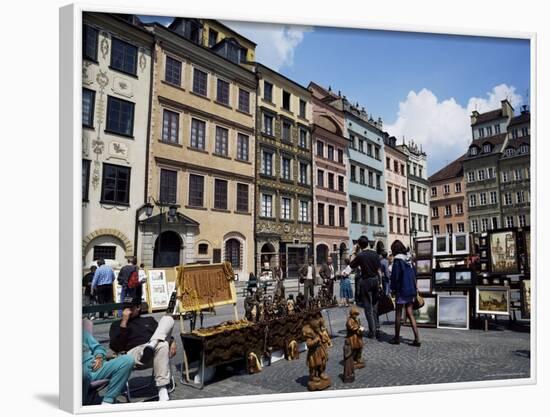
point(117, 371)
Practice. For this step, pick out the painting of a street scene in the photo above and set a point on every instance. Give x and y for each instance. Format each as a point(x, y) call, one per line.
point(504, 253)
point(493, 300)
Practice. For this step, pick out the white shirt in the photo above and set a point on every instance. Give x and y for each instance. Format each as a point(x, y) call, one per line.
point(331, 271)
point(309, 272)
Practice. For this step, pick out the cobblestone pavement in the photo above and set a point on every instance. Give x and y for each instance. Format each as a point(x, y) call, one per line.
point(445, 356)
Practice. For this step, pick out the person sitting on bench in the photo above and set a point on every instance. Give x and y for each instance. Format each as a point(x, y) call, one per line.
point(95, 367)
point(149, 342)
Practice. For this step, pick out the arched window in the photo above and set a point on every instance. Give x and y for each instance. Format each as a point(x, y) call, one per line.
point(510, 152)
point(322, 254)
point(203, 248)
point(233, 253)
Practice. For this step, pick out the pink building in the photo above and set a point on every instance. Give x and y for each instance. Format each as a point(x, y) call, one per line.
point(397, 193)
point(330, 199)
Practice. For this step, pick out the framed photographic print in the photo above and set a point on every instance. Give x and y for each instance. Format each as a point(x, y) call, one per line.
point(441, 245)
point(503, 252)
point(424, 267)
point(462, 277)
point(191, 146)
point(493, 300)
point(424, 285)
point(442, 278)
point(453, 312)
point(525, 289)
point(461, 243)
point(423, 248)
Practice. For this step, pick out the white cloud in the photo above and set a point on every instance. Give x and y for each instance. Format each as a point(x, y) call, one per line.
point(443, 127)
point(275, 43)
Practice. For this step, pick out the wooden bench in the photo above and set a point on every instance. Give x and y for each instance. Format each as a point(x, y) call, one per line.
point(102, 308)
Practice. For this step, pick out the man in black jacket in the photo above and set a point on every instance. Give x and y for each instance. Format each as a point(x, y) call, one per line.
point(369, 262)
point(147, 341)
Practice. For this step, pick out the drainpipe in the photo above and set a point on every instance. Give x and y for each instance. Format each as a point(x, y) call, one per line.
point(254, 199)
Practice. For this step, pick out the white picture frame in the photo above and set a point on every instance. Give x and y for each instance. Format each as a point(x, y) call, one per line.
point(441, 245)
point(461, 240)
point(453, 312)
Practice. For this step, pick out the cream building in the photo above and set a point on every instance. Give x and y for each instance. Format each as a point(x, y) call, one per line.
point(116, 82)
point(396, 193)
point(201, 156)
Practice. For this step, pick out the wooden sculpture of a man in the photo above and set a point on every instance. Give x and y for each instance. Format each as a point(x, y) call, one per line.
point(317, 356)
point(355, 337)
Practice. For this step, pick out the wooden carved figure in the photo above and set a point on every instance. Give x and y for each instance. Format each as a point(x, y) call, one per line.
point(355, 337)
point(317, 357)
point(349, 367)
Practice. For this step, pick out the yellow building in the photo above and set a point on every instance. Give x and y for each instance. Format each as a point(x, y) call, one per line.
point(201, 154)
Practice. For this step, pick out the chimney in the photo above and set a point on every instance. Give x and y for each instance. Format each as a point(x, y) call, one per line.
point(380, 122)
point(524, 109)
point(473, 117)
point(507, 109)
point(329, 88)
point(339, 94)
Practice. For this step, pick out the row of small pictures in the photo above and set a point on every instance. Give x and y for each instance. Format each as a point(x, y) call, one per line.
point(440, 245)
point(444, 279)
point(452, 311)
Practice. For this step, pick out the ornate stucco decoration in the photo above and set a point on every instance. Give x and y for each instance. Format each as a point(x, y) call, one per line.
point(104, 45)
point(142, 59)
point(123, 87)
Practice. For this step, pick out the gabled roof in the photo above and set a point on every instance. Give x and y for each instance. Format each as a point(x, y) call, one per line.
point(488, 116)
point(453, 170)
point(496, 141)
point(524, 117)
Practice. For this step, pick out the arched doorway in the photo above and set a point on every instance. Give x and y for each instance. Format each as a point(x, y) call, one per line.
point(322, 254)
point(343, 252)
point(167, 250)
point(233, 253)
point(266, 254)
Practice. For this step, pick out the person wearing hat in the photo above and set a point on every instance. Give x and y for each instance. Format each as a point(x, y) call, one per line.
point(149, 342)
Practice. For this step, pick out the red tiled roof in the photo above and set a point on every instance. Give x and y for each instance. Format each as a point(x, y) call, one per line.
point(453, 170)
point(487, 117)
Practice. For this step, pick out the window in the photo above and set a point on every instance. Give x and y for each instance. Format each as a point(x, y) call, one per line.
point(396, 197)
point(304, 211)
point(446, 189)
point(376, 152)
point(448, 211)
point(509, 221)
point(436, 229)
point(404, 198)
point(390, 195)
point(371, 179)
point(286, 132)
point(104, 252)
point(221, 141)
point(216, 256)
point(483, 199)
point(495, 222)
point(493, 197)
point(168, 186)
point(419, 195)
point(481, 174)
point(242, 197)
point(520, 196)
point(514, 133)
point(200, 82)
point(524, 149)
point(203, 249)
point(353, 176)
point(88, 106)
point(405, 230)
point(302, 108)
point(242, 147)
point(449, 228)
point(242, 54)
point(517, 175)
point(388, 163)
point(475, 226)
point(391, 224)
point(487, 148)
point(285, 168)
point(244, 101)
point(362, 175)
point(331, 216)
point(233, 253)
point(524, 131)
point(509, 152)
point(458, 187)
point(460, 227)
point(89, 40)
point(420, 172)
point(435, 211)
point(489, 131)
point(196, 190)
point(521, 220)
point(413, 222)
point(85, 178)
point(222, 92)
point(340, 156)
point(473, 200)
point(380, 219)
point(490, 172)
point(212, 37)
point(378, 181)
point(320, 149)
point(342, 217)
point(364, 214)
point(412, 193)
point(354, 212)
point(481, 132)
point(331, 180)
point(473, 151)
point(267, 205)
point(198, 129)
point(123, 56)
point(116, 184)
point(508, 199)
point(398, 225)
point(172, 71)
point(170, 126)
point(505, 176)
point(320, 178)
point(330, 152)
point(340, 183)
point(361, 146)
point(268, 91)
point(414, 170)
point(471, 176)
point(303, 173)
point(220, 194)
point(497, 129)
point(303, 138)
point(459, 208)
point(434, 191)
point(320, 214)
point(268, 124)
point(285, 208)
point(369, 149)
point(286, 100)
point(267, 163)
point(120, 116)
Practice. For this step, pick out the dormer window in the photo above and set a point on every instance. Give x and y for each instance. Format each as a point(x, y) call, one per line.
point(473, 151)
point(524, 149)
point(487, 148)
point(509, 152)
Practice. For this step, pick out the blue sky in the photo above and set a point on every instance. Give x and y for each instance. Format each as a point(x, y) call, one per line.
point(424, 86)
